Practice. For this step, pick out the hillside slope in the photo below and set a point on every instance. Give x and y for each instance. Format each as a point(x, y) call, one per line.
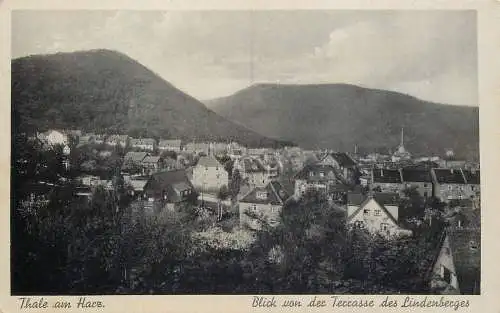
point(339, 116)
point(103, 90)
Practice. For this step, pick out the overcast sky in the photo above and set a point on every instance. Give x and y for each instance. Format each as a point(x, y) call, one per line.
point(428, 54)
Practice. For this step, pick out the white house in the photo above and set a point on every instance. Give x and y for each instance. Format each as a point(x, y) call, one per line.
point(143, 143)
point(66, 150)
point(377, 213)
point(170, 145)
point(209, 174)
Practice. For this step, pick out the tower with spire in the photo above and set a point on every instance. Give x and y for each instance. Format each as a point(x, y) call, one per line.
point(401, 153)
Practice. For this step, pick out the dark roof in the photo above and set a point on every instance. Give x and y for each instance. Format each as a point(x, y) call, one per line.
point(316, 169)
point(387, 198)
point(448, 176)
point(168, 181)
point(386, 176)
point(209, 161)
point(466, 250)
point(355, 198)
point(276, 194)
point(343, 159)
point(472, 177)
point(252, 166)
point(416, 175)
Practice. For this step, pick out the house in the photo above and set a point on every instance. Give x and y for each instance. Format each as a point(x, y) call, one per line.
point(170, 145)
point(132, 161)
point(117, 140)
point(320, 177)
point(473, 183)
point(419, 179)
point(457, 266)
point(88, 180)
point(148, 144)
point(252, 170)
point(85, 140)
point(386, 180)
point(452, 184)
point(99, 139)
point(168, 189)
point(209, 175)
point(342, 162)
point(66, 150)
point(377, 213)
point(151, 164)
point(198, 148)
point(262, 204)
point(136, 185)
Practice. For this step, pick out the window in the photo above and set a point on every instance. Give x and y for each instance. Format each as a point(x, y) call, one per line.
point(425, 194)
point(472, 188)
point(311, 174)
point(384, 226)
point(254, 207)
point(262, 195)
point(449, 187)
point(446, 251)
point(321, 174)
point(366, 211)
point(377, 212)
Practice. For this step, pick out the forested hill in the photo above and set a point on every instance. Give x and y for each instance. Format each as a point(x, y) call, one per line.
point(103, 90)
point(339, 116)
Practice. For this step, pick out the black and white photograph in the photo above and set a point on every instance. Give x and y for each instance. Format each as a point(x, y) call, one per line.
point(245, 152)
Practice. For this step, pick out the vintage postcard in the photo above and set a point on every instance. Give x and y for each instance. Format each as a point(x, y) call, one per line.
point(248, 157)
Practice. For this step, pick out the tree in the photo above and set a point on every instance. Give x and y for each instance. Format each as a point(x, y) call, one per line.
point(310, 240)
point(413, 204)
point(235, 184)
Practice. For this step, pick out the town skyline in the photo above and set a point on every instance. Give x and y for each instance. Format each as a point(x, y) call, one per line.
point(435, 61)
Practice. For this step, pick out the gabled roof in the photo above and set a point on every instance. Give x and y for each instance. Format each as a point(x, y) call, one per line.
point(416, 175)
point(151, 159)
point(209, 161)
point(252, 166)
point(448, 176)
point(383, 175)
point(466, 250)
point(315, 168)
point(382, 200)
point(343, 159)
point(134, 156)
point(170, 182)
point(276, 194)
point(138, 184)
point(472, 177)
